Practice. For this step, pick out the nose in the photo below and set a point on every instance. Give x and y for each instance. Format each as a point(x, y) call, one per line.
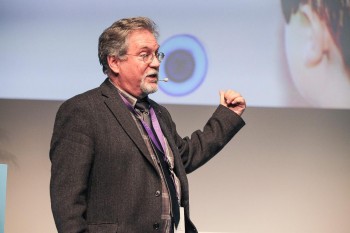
point(155, 62)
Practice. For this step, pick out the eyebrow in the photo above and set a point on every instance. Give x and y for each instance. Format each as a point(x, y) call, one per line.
point(148, 48)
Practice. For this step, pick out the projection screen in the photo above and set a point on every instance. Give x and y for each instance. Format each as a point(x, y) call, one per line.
point(49, 51)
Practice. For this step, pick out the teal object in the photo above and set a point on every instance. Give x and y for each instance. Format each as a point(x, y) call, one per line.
point(3, 178)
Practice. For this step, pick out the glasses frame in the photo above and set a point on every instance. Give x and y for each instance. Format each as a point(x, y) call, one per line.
point(149, 57)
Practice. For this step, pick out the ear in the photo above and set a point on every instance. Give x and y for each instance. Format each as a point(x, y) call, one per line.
point(113, 63)
point(317, 43)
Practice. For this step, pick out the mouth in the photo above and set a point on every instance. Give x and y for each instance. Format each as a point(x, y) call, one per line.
point(153, 76)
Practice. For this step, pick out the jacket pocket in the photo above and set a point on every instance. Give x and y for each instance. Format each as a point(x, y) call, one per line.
point(103, 228)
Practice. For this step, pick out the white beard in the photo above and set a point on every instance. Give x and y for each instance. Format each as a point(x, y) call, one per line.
point(147, 88)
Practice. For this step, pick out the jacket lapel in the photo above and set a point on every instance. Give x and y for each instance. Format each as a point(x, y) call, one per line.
point(116, 105)
point(179, 168)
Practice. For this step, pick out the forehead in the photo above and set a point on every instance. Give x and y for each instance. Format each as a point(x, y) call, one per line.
point(141, 39)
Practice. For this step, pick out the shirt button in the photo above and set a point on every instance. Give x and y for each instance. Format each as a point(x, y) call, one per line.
point(156, 226)
point(157, 194)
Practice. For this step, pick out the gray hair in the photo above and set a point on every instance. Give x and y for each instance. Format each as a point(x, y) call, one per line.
point(113, 40)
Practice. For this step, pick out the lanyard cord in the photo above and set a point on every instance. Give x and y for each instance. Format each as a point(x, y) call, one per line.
point(156, 127)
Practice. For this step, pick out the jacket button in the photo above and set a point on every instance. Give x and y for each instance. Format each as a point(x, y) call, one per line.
point(156, 226)
point(157, 194)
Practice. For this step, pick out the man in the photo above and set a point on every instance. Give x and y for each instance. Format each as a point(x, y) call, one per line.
point(317, 35)
point(121, 167)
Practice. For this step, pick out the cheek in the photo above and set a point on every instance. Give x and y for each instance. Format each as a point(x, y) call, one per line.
point(294, 52)
point(306, 79)
point(139, 70)
point(134, 72)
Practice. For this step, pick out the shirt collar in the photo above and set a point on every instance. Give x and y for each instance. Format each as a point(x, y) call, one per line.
point(131, 99)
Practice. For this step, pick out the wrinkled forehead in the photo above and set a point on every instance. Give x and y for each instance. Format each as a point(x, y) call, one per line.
point(139, 40)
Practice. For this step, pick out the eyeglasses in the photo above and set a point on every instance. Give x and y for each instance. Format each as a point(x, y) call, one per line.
point(148, 57)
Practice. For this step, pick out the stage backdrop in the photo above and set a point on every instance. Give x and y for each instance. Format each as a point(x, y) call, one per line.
point(287, 171)
point(3, 180)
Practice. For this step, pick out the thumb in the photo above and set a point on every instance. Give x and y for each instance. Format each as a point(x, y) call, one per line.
point(222, 98)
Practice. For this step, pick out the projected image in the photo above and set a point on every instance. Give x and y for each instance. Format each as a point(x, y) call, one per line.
point(185, 65)
point(276, 53)
point(317, 35)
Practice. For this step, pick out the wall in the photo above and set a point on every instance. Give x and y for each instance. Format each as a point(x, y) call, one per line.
point(287, 171)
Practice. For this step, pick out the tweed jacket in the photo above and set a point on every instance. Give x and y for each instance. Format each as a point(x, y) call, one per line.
point(102, 176)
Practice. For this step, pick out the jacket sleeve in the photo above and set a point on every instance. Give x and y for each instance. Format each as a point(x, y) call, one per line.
point(71, 155)
point(205, 144)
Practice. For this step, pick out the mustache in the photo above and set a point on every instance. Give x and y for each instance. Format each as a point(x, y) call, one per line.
point(153, 75)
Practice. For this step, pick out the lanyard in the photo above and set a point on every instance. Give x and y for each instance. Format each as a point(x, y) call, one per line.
point(162, 148)
point(156, 127)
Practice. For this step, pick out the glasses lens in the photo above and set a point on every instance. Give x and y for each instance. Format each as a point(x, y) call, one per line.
point(149, 58)
point(160, 56)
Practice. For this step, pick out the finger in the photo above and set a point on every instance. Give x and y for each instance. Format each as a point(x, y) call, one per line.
point(230, 96)
point(239, 101)
point(222, 98)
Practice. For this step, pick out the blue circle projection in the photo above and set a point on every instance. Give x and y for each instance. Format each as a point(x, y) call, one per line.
point(185, 65)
